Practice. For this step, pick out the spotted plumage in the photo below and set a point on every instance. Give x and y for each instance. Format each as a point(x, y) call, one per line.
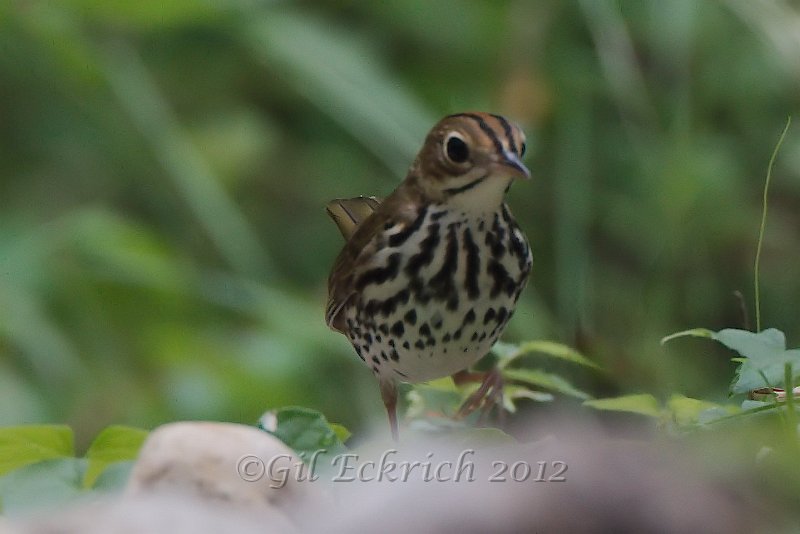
point(430, 276)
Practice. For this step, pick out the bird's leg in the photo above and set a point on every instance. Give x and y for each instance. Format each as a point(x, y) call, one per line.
point(465, 376)
point(389, 395)
point(489, 394)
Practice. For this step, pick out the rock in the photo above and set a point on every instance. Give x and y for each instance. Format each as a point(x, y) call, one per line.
point(222, 462)
point(576, 480)
point(6, 528)
point(196, 477)
point(157, 513)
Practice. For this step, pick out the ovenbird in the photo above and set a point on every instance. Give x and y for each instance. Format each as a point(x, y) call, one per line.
point(430, 276)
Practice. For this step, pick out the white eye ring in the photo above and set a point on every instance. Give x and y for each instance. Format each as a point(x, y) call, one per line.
point(455, 148)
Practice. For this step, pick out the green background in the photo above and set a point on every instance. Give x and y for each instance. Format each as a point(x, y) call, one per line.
point(164, 168)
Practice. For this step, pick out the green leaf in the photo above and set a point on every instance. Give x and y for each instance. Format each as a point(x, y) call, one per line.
point(29, 444)
point(344, 79)
point(114, 444)
point(544, 380)
point(456, 434)
point(114, 477)
point(751, 344)
point(513, 392)
point(42, 484)
point(694, 332)
point(687, 411)
point(546, 348)
point(766, 357)
point(505, 351)
point(146, 14)
point(341, 432)
point(643, 404)
point(304, 430)
point(434, 397)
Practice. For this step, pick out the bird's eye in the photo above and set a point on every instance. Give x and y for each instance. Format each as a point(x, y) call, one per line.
point(522, 148)
point(456, 149)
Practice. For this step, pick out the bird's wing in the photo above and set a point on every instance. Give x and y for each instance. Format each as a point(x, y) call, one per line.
point(365, 233)
point(349, 213)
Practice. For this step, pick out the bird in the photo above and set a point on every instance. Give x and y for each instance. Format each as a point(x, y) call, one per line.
point(430, 275)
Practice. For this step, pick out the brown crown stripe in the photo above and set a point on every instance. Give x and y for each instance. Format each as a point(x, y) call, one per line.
point(507, 130)
point(488, 130)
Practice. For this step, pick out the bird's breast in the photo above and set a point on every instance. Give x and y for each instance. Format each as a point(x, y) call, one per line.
point(438, 292)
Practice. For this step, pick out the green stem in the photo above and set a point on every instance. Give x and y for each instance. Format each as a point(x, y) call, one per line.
point(791, 413)
point(756, 267)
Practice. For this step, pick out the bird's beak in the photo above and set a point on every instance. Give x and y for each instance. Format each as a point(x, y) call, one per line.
point(510, 161)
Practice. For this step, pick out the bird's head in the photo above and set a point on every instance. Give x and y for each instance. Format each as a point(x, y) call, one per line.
point(471, 159)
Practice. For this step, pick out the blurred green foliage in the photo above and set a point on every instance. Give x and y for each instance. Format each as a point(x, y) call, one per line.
point(164, 165)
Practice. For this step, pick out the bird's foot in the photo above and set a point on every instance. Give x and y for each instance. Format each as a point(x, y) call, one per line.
point(488, 395)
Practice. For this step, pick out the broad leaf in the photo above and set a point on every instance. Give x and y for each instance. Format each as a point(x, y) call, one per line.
point(114, 477)
point(687, 411)
point(42, 484)
point(112, 445)
point(24, 445)
point(436, 397)
point(544, 380)
point(512, 393)
point(456, 434)
point(304, 430)
point(642, 404)
point(765, 358)
point(694, 332)
point(545, 348)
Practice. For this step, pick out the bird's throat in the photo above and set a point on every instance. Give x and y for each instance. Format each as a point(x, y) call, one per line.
point(481, 194)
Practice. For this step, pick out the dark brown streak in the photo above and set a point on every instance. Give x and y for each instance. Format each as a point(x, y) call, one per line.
point(425, 255)
point(442, 282)
point(507, 130)
point(473, 265)
point(380, 275)
point(516, 246)
point(487, 130)
point(400, 237)
point(457, 190)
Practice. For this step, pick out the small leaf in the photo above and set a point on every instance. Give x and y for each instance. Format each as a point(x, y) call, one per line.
point(42, 484)
point(341, 432)
point(687, 411)
point(456, 434)
point(29, 444)
point(523, 392)
point(554, 350)
point(643, 404)
point(694, 332)
point(765, 358)
point(114, 477)
point(749, 410)
point(304, 430)
point(505, 351)
point(513, 392)
point(751, 344)
point(425, 399)
point(544, 380)
point(442, 384)
point(112, 445)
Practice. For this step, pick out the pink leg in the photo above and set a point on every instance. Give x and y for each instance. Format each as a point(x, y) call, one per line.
point(489, 394)
point(389, 395)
